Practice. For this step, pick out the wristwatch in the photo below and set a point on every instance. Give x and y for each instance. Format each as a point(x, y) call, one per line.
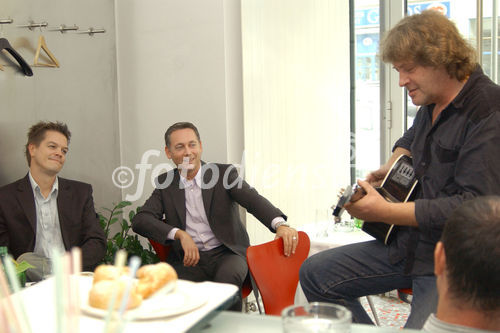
point(281, 223)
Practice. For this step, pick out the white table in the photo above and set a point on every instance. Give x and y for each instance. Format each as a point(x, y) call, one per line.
point(333, 239)
point(38, 300)
point(233, 322)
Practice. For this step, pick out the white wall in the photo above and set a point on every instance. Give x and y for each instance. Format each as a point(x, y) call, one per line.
point(81, 93)
point(178, 61)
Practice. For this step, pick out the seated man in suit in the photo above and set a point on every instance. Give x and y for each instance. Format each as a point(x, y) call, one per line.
point(467, 266)
point(42, 211)
point(199, 201)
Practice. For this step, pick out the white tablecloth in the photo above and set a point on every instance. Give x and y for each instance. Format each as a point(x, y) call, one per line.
point(232, 322)
point(40, 309)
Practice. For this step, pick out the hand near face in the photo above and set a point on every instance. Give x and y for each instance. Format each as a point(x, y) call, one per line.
point(191, 252)
point(290, 239)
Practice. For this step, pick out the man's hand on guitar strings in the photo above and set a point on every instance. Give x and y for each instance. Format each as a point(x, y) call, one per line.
point(371, 207)
point(376, 177)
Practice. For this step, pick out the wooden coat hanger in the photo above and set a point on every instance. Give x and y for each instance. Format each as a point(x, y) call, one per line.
point(43, 45)
point(5, 45)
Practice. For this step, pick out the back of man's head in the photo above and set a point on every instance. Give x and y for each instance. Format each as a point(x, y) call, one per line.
point(471, 240)
point(429, 39)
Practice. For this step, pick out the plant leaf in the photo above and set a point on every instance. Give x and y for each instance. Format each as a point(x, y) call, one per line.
point(23, 266)
point(123, 204)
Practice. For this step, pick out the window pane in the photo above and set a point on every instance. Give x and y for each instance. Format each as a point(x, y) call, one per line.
point(366, 129)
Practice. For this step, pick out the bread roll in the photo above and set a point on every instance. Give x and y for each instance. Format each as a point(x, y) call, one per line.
point(102, 291)
point(109, 272)
point(153, 277)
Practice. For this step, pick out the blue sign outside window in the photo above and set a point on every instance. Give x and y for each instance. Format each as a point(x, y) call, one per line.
point(370, 16)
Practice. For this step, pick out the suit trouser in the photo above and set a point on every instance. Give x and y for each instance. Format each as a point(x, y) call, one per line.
point(217, 265)
point(341, 275)
point(42, 266)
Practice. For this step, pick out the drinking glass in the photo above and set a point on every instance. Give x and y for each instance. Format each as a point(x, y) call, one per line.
point(316, 317)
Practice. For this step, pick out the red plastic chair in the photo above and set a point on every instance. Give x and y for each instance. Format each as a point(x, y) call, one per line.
point(275, 275)
point(405, 294)
point(161, 250)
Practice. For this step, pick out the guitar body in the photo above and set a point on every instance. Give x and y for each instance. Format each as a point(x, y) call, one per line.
point(397, 186)
point(381, 231)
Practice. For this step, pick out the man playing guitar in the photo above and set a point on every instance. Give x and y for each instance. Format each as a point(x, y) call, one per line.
point(453, 143)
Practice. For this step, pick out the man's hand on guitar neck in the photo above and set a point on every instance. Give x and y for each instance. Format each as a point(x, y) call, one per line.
point(373, 207)
point(367, 207)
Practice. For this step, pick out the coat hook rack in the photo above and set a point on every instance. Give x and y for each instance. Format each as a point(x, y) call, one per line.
point(92, 31)
point(32, 25)
point(6, 21)
point(63, 28)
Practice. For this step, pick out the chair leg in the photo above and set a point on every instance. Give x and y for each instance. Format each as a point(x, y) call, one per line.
point(374, 311)
point(255, 293)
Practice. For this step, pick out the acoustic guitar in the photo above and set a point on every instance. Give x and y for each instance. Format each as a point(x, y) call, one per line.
point(398, 186)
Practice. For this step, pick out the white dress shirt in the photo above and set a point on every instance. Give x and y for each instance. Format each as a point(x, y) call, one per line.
point(48, 228)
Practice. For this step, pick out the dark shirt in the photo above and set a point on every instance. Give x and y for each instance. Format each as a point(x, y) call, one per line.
point(457, 158)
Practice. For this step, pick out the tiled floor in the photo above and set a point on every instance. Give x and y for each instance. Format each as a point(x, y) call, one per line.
point(391, 311)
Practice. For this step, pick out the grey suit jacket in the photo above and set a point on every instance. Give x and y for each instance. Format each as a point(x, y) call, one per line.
point(77, 217)
point(224, 191)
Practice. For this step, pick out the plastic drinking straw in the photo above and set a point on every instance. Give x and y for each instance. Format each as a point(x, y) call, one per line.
point(76, 269)
point(16, 300)
point(120, 259)
point(4, 325)
point(59, 289)
point(67, 296)
point(134, 264)
point(8, 306)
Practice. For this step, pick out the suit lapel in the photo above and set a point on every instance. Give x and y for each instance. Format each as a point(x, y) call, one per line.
point(207, 193)
point(27, 201)
point(179, 198)
point(63, 206)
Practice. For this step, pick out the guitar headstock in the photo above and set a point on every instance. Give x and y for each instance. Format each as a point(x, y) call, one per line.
point(349, 194)
point(345, 197)
point(357, 193)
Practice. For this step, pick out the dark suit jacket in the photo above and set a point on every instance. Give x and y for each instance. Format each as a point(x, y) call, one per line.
point(79, 223)
point(225, 190)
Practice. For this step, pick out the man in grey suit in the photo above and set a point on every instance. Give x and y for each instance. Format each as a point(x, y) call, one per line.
point(42, 211)
point(195, 208)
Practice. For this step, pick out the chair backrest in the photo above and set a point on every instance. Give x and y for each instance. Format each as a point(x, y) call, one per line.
point(160, 249)
point(275, 275)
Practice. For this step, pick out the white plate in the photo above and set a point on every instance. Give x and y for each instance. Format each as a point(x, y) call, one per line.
point(184, 298)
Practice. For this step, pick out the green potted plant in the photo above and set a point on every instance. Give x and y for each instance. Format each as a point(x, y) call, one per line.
point(123, 239)
point(21, 270)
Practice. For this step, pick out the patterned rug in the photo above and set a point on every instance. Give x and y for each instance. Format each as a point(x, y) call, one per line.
point(391, 311)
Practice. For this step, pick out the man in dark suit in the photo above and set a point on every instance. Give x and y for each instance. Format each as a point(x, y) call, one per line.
point(42, 211)
point(199, 203)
